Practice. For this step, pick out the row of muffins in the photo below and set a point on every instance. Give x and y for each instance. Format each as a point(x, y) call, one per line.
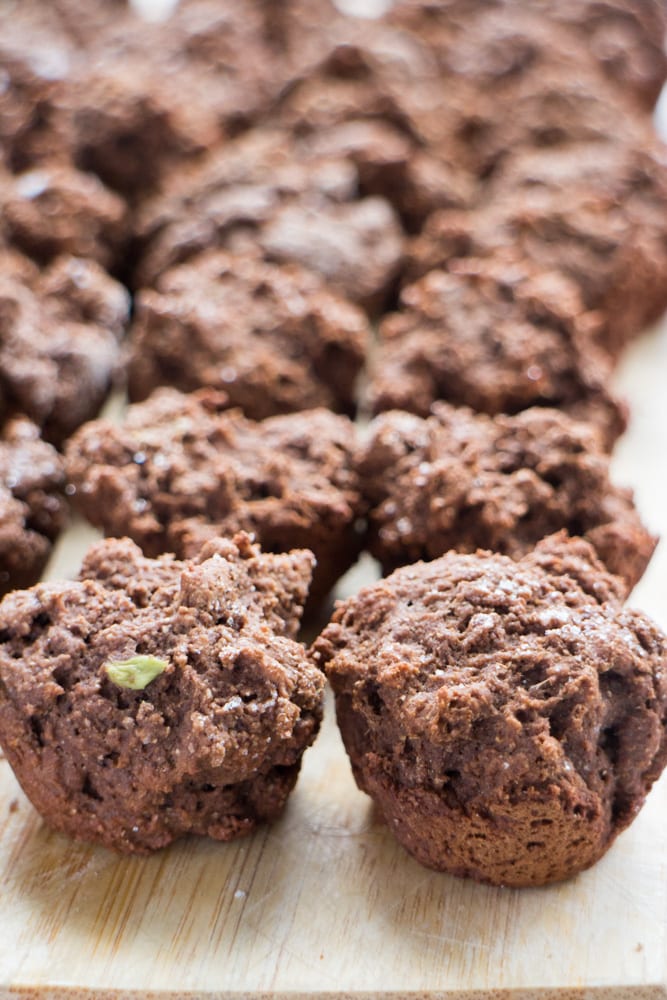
point(181, 468)
point(507, 717)
point(373, 167)
point(376, 159)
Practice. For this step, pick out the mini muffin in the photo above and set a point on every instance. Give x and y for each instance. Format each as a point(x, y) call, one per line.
point(595, 212)
point(55, 210)
point(362, 74)
point(180, 469)
point(520, 81)
point(32, 503)
point(36, 56)
point(499, 337)
point(59, 340)
point(355, 102)
point(150, 699)
point(262, 192)
point(465, 481)
point(153, 96)
point(508, 718)
point(626, 37)
point(131, 126)
point(275, 338)
point(558, 109)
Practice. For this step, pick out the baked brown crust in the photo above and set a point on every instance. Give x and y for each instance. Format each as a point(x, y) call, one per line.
point(59, 340)
point(462, 480)
point(36, 58)
point(32, 503)
point(498, 337)
point(269, 158)
point(56, 210)
point(508, 718)
point(181, 468)
point(596, 212)
point(274, 337)
point(130, 128)
point(212, 745)
point(357, 101)
point(497, 42)
point(259, 193)
point(625, 36)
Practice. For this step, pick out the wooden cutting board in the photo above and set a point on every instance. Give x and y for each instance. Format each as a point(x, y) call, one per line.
point(325, 902)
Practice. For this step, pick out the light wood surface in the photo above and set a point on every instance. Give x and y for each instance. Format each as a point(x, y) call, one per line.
point(325, 902)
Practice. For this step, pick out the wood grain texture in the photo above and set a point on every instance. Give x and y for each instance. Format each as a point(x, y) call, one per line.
point(326, 902)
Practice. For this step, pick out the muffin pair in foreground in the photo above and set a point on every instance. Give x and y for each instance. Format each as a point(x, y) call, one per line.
point(508, 717)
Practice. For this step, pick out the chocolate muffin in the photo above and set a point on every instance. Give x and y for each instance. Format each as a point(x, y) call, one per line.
point(498, 337)
point(376, 75)
point(612, 241)
point(508, 718)
point(237, 57)
point(79, 289)
point(129, 100)
point(84, 24)
point(626, 37)
point(512, 79)
point(32, 503)
point(36, 58)
point(55, 210)
point(356, 103)
point(360, 72)
point(465, 481)
point(59, 340)
point(274, 337)
point(131, 127)
point(596, 212)
point(229, 197)
point(180, 469)
point(559, 109)
point(259, 193)
point(150, 699)
point(622, 38)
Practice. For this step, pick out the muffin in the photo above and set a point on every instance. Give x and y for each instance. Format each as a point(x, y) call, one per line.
point(274, 337)
point(259, 193)
point(499, 337)
point(59, 340)
point(507, 718)
point(32, 503)
point(596, 213)
point(181, 468)
point(56, 210)
point(149, 699)
point(462, 480)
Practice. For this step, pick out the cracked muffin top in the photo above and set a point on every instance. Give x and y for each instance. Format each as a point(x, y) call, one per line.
point(509, 717)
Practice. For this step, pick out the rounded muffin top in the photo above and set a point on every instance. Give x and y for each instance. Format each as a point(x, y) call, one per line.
point(149, 680)
point(463, 480)
point(480, 677)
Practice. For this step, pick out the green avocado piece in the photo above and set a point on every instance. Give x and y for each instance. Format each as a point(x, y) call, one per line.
point(135, 673)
